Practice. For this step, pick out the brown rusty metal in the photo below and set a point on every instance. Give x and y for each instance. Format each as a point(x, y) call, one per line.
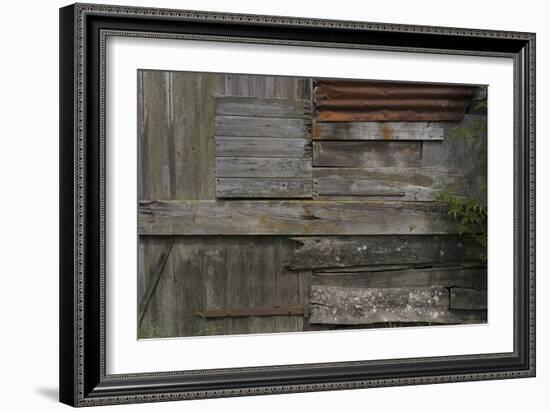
point(351, 100)
point(300, 310)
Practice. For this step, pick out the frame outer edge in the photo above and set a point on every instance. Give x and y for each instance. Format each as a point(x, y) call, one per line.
point(73, 190)
point(66, 201)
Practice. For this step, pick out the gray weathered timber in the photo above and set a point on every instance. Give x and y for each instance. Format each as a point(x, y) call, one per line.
point(380, 130)
point(217, 273)
point(468, 299)
point(156, 135)
point(467, 156)
point(420, 277)
point(287, 88)
point(263, 187)
point(263, 167)
point(262, 107)
point(159, 319)
point(349, 306)
point(188, 288)
point(243, 126)
point(403, 184)
point(291, 217)
point(471, 316)
point(155, 277)
point(324, 252)
point(263, 147)
point(367, 153)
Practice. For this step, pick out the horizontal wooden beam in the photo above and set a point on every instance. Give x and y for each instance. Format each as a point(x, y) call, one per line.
point(262, 107)
point(293, 217)
point(352, 306)
point(263, 147)
point(367, 153)
point(378, 131)
point(382, 183)
point(419, 277)
point(301, 310)
point(242, 126)
point(468, 299)
point(318, 253)
point(263, 167)
point(263, 188)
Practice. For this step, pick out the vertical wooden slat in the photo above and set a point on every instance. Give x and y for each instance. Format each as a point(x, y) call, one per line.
point(287, 285)
point(262, 273)
point(188, 285)
point(160, 318)
point(194, 147)
point(156, 133)
point(237, 286)
point(214, 276)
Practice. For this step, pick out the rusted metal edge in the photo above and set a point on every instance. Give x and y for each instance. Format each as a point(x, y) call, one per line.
point(355, 100)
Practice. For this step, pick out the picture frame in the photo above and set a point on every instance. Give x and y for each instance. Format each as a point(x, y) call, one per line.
point(84, 380)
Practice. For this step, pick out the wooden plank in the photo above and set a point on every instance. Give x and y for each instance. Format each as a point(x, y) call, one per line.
point(471, 316)
point(243, 260)
point(188, 288)
point(468, 299)
point(262, 107)
point(242, 126)
point(159, 318)
point(263, 167)
point(403, 184)
point(464, 155)
point(454, 114)
point(213, 268)
point(324, 252)
point(378, 131)
point(263, 147)
point(289, 88)
point(263, 188)
point(339, 305)
point(156, 129)
point(291, 217)
point(262, 266)
point(420, 277)
point(286, 288)
point(154, 279)
point(286, 310)
point(366, 153)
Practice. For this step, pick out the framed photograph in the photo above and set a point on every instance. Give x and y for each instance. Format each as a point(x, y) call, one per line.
point(261, 204)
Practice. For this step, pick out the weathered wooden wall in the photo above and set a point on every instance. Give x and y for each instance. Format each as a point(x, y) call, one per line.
point(253, 210)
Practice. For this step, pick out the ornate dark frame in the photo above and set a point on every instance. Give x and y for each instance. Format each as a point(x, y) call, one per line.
point(83, 30)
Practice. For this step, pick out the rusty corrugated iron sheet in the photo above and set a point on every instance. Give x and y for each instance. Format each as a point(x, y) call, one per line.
point(354, 100)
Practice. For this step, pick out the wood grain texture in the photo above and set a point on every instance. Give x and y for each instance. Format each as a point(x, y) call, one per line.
point(263, 147)
point(385, 115)
point(468, 299)
point(366, 154)
point(262, 107)
point(159, 319)
point(420, 277)
point(263, 167)
point(340, 305)
point(467, 156)
point(378, 131)
point(385, 183)
point(357, 251)
point(263, 187)
point(291, 218)
point(244, 126)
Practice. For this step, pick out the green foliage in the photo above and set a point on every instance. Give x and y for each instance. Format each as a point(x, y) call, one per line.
point(477, 130)
point(470, 214)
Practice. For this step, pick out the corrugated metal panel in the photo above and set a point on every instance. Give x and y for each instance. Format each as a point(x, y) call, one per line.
point(351, 100)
